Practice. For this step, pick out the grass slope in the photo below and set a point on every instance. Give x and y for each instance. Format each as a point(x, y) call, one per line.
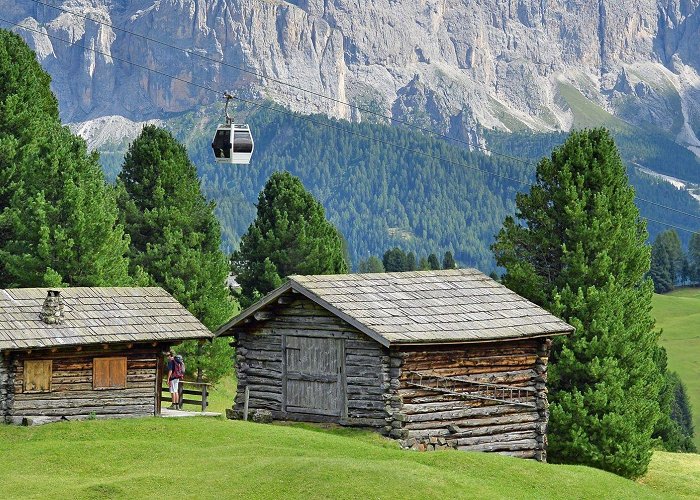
point(225, 459)
point(678, 314)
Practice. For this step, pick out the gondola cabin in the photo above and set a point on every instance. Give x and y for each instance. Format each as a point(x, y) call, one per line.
point(435, 359)
point(233, 144)
point(87, 352)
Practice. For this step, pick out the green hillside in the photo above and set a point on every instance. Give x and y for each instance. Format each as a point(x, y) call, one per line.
point(380, 196)
point(678, 314)
point(215, 458)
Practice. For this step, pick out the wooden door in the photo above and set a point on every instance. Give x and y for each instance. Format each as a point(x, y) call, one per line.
point(314, 375)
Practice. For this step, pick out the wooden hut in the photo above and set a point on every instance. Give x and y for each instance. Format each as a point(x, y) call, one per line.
point(435, 359)
point(79, 352)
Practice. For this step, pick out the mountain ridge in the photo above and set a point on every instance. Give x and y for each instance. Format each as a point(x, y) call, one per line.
point(446, 66)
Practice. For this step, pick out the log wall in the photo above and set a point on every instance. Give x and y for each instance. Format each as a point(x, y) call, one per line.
point(431, 420)
point(5, 386)
point(72, 394)
point(259, 364)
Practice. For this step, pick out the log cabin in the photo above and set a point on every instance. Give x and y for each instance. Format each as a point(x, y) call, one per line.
point(435, 359)
point(83, 352)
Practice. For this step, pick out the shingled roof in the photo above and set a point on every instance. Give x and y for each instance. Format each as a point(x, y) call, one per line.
point(461, 305)
point(95, 315)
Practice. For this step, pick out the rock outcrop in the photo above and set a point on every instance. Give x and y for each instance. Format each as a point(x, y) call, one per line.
point(445, 65)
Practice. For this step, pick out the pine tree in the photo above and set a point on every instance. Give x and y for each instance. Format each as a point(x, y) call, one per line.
point(410, 264)
point(433, 262)
point(675, 426)
point(58, 218)
point(660, 270)
point(394, 260)
point(175, 237)
point(694, 258)
point(370, 265)
point(581, 254)
point(448, 262)
point(290, 235)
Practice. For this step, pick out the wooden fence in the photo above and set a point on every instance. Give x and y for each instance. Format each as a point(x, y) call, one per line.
point(197, 396)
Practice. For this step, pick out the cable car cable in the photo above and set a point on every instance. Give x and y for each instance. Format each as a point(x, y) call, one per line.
point(342, 129)
point(318, 94)
point(271, 108)
point(281, 82)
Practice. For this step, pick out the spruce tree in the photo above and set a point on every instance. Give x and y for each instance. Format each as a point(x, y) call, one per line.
point(433, 262)
point(370, 265)
point(175, 237)
point(675, 426)
point(660, 270)
point(410, 264)
point(580, 252)
point(694, 258)
point(290, 235)
point(394, 260)
point(448, 261)
point(58, 218)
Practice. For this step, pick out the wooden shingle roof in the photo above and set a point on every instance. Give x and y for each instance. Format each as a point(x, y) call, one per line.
point(95, 315)
point(461, 305)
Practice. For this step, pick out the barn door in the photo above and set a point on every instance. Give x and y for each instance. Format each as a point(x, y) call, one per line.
point(314, 375)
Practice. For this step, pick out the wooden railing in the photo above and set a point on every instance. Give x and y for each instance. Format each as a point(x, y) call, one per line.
point(201, 390)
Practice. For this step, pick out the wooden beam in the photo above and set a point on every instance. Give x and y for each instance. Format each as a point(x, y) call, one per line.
point(263, 315)
point(285, 299)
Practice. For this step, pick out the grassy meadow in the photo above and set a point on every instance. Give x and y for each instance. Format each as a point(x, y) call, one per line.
point(216, 458)
point(678, 315)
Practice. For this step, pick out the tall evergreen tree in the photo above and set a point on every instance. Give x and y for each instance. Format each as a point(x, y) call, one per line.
point(433, 262)
point(448, 261)
point(394, 260)
point(675, 425)
point(694, 258)
point(290, 235)
point(660, 270)
point(410, 264)
point(370, 265)
point(175, 237)
point(580, 253)
point(58, 218)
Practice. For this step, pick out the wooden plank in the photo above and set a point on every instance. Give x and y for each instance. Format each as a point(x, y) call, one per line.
point(284, 374)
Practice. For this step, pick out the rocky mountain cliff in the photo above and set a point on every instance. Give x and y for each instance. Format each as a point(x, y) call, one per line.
point(449, 65)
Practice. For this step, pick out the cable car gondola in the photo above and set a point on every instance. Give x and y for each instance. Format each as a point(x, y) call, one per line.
point(233, 143)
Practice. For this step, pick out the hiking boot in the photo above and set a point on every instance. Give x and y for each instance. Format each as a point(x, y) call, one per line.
point(172, 407)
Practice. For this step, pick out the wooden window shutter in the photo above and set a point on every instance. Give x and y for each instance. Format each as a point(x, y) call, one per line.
point(37, 375)
point(109, 373)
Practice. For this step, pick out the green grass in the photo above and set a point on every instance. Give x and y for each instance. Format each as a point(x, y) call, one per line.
point(675, 473)
point(678, 314)
point(225, 459)
point(588, 114)
point(221, 396)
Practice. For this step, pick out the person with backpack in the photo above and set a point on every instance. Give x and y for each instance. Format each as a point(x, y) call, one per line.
point(176, 372)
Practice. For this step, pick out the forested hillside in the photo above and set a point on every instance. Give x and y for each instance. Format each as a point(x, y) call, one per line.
point(381, 196)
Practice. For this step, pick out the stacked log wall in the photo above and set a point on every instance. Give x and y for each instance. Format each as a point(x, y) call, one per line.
point(259, 349)
point(72, 394)
point(5, 386)
point(434, 420)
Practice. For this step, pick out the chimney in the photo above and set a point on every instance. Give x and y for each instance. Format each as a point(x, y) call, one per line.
point(52, 310)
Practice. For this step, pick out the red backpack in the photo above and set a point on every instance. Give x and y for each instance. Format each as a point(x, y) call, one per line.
point(179, 368)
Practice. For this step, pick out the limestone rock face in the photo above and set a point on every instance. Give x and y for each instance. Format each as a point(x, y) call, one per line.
point(447, 65)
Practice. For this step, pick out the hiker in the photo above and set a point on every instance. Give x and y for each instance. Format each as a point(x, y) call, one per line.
point(176, 371)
